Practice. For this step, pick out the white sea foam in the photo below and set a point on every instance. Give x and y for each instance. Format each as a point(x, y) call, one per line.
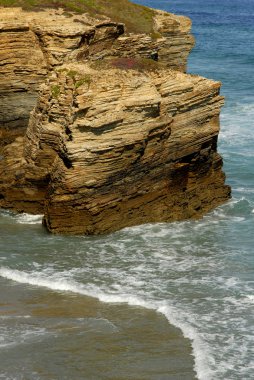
point(37, 279)
point(250, 298)
point(22, 218)
point(130, 292)
point(200, 350)
point(241, 302)
point(244, 108)
point(28, 218)
point(244, 190)
point(15, 317)
point(17, 334)
point(169, 269)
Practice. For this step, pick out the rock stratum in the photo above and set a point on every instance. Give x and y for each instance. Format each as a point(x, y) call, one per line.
point(100, 127)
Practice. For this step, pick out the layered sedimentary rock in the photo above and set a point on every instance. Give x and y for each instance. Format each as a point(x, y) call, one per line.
point(113, 148)
point(22, 68)
point(115, 138)
point(171, 46)
point(33, 43)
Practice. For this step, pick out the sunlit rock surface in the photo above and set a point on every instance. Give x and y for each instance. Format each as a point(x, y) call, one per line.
point(114, 139)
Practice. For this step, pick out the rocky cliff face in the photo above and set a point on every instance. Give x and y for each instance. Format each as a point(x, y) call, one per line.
point(33, 43)
point(115, 138)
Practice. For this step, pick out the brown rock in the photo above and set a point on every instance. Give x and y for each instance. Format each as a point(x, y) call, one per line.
point(111, 144)
point(118, 148)
point(32, 43)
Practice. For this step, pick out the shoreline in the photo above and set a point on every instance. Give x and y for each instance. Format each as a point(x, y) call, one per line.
point(118, 333)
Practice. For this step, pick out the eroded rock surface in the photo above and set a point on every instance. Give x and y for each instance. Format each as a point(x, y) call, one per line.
point(114, 148)
point(33, 43)
point(115, 139)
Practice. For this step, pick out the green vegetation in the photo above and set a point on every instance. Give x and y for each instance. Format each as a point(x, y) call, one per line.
point(77, 79)
point(85, 79)
point(72, 74)
point(137, 18)
point(55, 91)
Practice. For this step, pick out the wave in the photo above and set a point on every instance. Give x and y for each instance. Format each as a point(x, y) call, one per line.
point(200, 349)
point(22, 218)
point(246, 105)
point(28, 219)
point(39, 280)
point(237, 128)
point(246, 190)
point(249, 298)
point(236, 209)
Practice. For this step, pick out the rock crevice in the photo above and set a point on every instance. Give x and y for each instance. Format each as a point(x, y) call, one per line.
point(118, 134)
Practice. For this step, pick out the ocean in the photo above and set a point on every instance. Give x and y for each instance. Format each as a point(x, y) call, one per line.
point(152, 302)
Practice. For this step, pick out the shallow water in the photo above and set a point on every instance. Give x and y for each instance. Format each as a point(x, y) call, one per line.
point(197, 275)
point(59, 335)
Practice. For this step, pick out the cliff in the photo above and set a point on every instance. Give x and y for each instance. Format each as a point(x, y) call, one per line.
point(34, 43)
point(118, 135)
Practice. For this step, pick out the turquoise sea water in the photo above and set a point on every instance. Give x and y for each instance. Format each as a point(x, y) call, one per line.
point(198, 275)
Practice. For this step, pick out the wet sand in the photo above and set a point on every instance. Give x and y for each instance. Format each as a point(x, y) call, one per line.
point(60, 335)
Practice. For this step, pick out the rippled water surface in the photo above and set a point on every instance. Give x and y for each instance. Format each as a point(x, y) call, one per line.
point(196, 275)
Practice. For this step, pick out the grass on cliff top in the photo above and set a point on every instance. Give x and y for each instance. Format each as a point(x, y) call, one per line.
point(137, 18)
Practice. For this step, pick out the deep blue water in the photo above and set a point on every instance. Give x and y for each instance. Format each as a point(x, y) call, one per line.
point(199, 274)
